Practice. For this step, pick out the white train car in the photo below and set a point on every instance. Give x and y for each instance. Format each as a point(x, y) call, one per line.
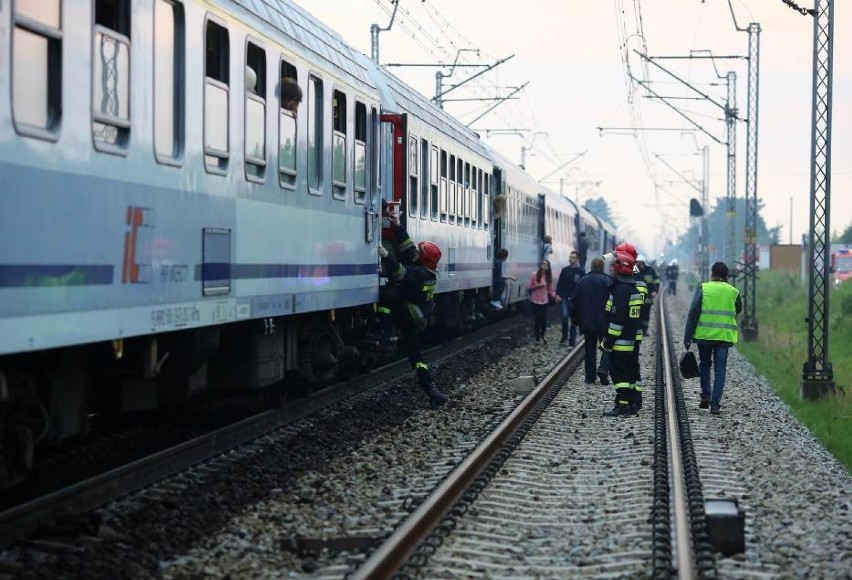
point(560, 222)
point(170, 222)
point(517, 223)
point(160, 203)
point(444, 174)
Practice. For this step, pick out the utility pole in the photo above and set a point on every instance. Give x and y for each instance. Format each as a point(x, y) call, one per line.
point(704, 269)
point(374, 34)
point(749, 322)
point(731, 114)
point(817, 374)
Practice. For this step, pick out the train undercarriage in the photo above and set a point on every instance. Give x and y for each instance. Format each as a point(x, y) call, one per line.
point(50, 397)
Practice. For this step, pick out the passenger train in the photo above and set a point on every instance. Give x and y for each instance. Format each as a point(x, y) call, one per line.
point(169, 226)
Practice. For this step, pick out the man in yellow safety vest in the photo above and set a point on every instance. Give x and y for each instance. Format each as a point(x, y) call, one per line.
point(712, 324)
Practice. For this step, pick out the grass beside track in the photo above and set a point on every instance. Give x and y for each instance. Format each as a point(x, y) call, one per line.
point(782, 349)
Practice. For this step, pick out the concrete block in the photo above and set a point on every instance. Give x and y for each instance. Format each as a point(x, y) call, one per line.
point(524, 385)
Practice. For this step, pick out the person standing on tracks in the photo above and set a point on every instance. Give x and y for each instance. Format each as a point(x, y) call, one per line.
point(588, 312)
point(413, 270)
point(712, 324)
point(623, 309)
point(541, 291)
point(568, 278)
point(648, 275)
point(672, 272)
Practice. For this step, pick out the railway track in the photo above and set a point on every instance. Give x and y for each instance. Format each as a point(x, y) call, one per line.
point(64, 504)
point(559, 491)
point(571, 494)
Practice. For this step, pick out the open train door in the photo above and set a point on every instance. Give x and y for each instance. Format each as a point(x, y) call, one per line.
point(498, 222)
point(394, 163)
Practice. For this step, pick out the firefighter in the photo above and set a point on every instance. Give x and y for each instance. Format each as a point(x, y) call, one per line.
point(413, 271)
point(624, 317)
point(649, 275)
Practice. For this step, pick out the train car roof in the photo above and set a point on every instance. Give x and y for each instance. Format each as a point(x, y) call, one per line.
point(513, 171)
point(606, 225)
point(559, 201)
point(408, 99)
point(310, 34)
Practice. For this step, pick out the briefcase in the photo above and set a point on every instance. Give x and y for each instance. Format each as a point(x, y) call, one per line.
point(688, 365)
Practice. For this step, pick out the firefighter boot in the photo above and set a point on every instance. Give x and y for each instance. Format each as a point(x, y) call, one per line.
point(436, 397)
point(623, 406)
point(636, 398)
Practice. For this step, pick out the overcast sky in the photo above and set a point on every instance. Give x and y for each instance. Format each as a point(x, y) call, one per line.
point(571, 53)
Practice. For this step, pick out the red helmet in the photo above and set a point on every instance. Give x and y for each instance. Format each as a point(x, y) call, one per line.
point(430, 254)
point(623, 263)
point(628, 248)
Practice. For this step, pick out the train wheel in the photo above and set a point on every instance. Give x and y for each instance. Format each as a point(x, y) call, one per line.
point(322, 353)
point(16, 447)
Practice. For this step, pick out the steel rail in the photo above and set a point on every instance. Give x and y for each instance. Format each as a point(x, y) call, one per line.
point(684, 564)
point(396, 550)
point(20, 521)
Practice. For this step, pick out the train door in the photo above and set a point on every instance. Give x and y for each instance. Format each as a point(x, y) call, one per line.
point(497, 220)
point(542, 224)
point(394, 162)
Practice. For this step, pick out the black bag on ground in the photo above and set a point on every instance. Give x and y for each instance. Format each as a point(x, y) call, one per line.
point(688, 365)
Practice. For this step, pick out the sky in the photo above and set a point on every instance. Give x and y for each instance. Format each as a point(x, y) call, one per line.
point(571, 123)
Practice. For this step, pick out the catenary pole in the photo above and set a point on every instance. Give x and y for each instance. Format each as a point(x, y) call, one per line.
point(817, 374)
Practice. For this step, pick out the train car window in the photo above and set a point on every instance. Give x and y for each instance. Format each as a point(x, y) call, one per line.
point(433, 181)
point(287, 126)
point(216, 98)
point(444, 203)
point(486, 206)
point(360, 151)
point(168, 81)
point(37, 68)
point(460, 191)
point(474, 195)
point(451, 194)
point(315, 133)
point(424, 178)
point(111, 75)
point(338, 144)
point(467, 194)
point(412, 176)
point(374, 149)
point(255, 119)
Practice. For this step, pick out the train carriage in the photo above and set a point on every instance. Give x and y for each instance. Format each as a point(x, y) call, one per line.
point(443, 185)
point(560, 222)
point(171, 222)
point(517, 223)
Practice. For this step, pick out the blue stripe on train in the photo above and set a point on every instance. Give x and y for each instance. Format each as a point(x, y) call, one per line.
point(41, 275)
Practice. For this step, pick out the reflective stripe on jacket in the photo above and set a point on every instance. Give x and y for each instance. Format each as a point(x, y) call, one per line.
point(718, 317)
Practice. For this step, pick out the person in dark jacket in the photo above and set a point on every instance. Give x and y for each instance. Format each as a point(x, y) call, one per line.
point(568, 278)
point(712, 324)
point(672, 273)
point(414, 274)
point(588, 311)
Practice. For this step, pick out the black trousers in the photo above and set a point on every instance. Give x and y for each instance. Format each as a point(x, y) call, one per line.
point(411, 342)
point(540, 318)
point(621, 372)
point(593, 339)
